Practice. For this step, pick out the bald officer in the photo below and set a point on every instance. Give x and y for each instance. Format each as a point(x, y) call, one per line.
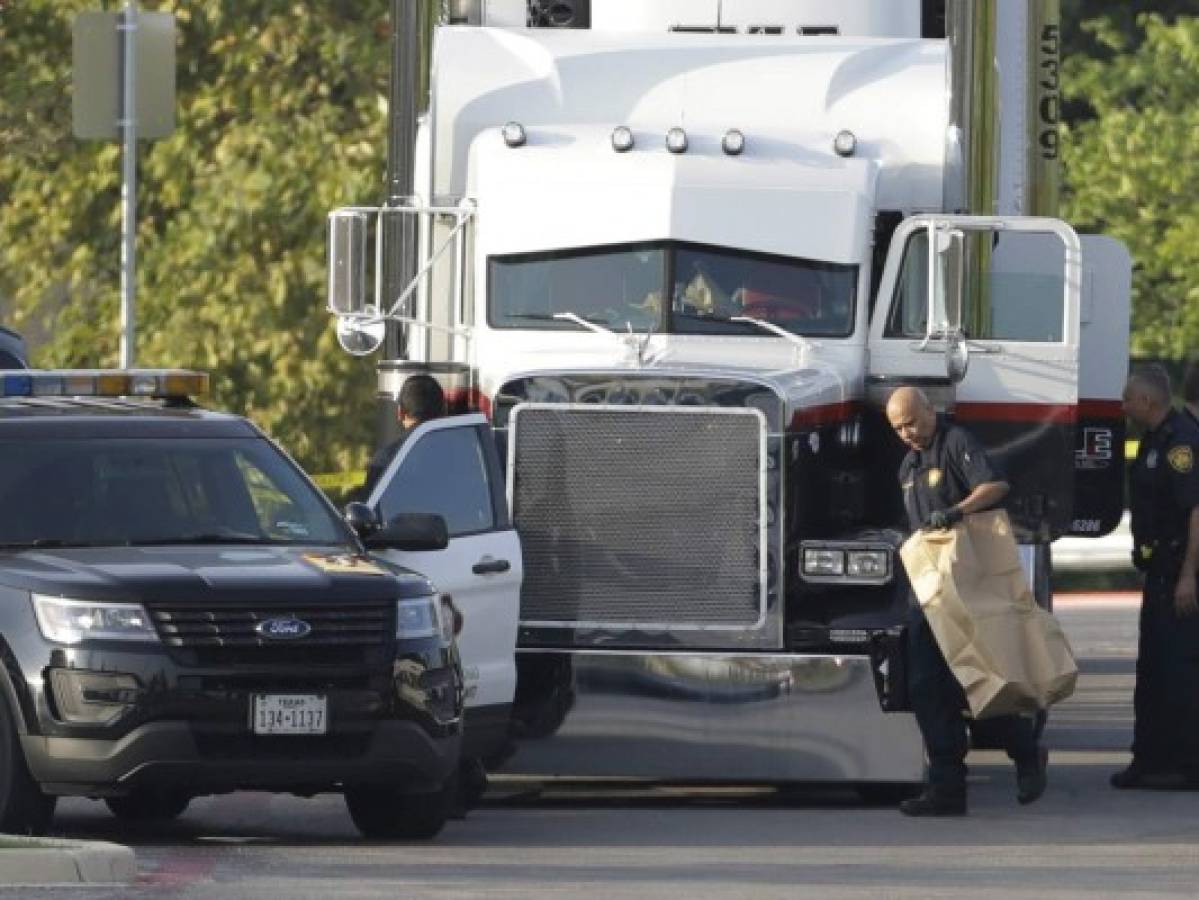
point(945, 476)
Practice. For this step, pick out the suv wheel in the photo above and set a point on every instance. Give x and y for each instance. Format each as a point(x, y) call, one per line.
point(24, 809)
point(147, 805)
point(383, 813)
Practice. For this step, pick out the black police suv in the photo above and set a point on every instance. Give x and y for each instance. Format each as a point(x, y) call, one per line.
point(183, 613)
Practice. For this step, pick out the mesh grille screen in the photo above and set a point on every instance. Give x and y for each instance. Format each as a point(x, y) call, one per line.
point(638, 516)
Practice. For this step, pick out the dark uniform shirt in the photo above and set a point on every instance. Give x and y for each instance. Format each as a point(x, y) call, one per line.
point(944, 473)
point(1164, 483)
point(381, 460)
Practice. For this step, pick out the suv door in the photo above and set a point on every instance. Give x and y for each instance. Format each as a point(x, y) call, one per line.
point(450, 467)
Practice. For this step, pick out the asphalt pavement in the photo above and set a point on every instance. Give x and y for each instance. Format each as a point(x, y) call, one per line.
point(1083, 839)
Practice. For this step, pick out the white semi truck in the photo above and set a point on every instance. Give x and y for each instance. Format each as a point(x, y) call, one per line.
point(669, 257)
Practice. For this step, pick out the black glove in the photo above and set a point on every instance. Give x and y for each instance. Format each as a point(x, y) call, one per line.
point(1140, 559)
point(941, 519)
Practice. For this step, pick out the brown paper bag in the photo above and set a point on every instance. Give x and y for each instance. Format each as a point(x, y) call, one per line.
point(1009, 655)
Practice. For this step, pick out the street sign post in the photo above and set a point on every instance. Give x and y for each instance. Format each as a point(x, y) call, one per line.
point(124, 87)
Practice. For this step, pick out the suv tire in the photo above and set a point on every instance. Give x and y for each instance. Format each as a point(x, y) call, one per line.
point(24, 809)
point(384, 813)
point(148, 806)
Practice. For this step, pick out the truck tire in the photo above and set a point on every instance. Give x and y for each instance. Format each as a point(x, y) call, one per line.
point(393, 814)
point(149, 806)
point(24, 809)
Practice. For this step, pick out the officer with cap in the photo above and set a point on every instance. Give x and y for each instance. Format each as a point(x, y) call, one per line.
point(945, 476)
point(1164, 498)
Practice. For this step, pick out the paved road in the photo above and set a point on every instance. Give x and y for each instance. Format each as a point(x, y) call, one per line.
point(1082, 840)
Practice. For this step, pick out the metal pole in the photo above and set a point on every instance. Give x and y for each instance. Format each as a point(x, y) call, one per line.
point(128, 123)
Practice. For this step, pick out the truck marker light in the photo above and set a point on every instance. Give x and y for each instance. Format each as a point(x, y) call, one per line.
point(514, 134)
point(845, 143)
point(622, 139)
point(676, 140)
point(733, 142)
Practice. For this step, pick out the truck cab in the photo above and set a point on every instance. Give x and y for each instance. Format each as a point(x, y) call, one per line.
point(679, 255)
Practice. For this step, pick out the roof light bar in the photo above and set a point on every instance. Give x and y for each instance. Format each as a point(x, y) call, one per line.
point(159, 383)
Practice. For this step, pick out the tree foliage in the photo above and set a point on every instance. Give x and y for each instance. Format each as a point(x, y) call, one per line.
point(1131, 170)
point(280, 117)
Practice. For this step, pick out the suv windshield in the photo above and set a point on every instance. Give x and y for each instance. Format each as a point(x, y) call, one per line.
point(709, 287)
point(106, 492)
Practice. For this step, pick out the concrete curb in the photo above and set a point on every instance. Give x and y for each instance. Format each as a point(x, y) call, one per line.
point(30, 860)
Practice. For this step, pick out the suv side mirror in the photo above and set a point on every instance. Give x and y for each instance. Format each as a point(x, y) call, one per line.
point(362, 519)
point(410, 531)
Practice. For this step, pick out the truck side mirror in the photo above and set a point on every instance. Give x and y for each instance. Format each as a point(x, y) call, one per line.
point(347, 246)
point(360, 330)
point(947, 268)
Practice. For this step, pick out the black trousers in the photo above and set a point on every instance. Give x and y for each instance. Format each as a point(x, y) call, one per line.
point(939, 702)
point(1166, 698)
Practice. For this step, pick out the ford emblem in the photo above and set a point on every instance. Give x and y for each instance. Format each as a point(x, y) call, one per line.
point(284, 629)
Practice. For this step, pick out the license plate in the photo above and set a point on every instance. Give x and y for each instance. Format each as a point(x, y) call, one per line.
point(289, 714)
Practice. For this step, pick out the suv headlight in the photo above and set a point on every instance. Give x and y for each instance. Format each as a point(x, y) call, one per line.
point(424, 617)
point(72, 621)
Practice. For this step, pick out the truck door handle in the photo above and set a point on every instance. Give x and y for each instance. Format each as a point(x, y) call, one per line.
point(491, 566)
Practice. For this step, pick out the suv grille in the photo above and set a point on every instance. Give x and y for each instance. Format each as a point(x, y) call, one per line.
point(641, 518)
point(339, 630)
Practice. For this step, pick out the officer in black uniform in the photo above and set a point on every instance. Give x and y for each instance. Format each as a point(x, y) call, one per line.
point(420, 400)
point(947, 475)
point(1164, 497)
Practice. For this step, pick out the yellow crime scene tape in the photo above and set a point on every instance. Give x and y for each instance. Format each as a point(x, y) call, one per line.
point(339, 480)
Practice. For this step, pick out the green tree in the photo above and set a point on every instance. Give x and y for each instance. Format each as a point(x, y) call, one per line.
point(1131, 170)
point(280, 117)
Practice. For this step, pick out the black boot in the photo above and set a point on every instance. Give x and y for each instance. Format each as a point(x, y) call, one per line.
point(1032, 777)
point(936, 800)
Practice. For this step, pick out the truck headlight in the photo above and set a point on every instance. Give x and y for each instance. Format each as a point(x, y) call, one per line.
point(424, 617)
point(72, 621)
point(851, 562)
point(867, 563)
point(824, 562)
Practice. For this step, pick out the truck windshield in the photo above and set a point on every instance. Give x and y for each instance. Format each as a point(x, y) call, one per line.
point(89, 492)
point(709, 287)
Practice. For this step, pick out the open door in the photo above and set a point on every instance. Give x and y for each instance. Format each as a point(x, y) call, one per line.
point(984, 314)
point(450, 467)
point(1103, 369)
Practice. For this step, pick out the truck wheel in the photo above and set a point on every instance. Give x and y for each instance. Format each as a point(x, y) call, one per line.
point(390, 814)
point(148, 805)
point(24, 809)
